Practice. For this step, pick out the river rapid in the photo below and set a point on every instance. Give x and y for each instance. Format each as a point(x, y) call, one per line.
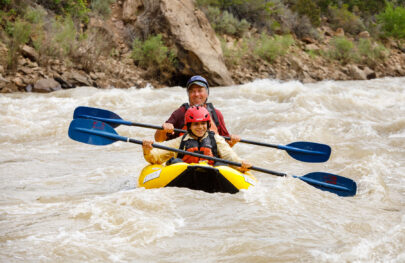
point(65, 201)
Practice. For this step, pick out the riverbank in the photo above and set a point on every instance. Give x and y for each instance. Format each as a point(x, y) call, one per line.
point(121, 72)
point(304, 63)
point(106, 59)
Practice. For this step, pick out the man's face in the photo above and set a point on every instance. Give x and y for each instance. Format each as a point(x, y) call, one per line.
point(197, 95)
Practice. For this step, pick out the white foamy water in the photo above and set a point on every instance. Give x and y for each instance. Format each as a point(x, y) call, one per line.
point(64, 201)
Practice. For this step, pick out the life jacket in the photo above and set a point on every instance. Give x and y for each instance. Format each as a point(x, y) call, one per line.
point(207, 146)
point(213, 114)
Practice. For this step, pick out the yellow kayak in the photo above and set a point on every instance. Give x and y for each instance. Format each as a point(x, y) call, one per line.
point(196, 176)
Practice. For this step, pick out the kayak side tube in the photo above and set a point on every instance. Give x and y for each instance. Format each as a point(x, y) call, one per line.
point(199, 176)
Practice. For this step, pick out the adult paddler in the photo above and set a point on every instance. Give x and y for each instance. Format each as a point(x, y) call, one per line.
point(198, 91)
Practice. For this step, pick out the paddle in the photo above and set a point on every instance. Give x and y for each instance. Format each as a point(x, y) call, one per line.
point(99, 133)
point(303, 151)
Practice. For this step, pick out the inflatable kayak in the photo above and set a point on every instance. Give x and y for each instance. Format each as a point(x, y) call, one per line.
point(196, 176)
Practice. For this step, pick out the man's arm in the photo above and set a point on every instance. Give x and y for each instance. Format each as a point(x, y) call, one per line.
point(221, 127)
point(175, 120)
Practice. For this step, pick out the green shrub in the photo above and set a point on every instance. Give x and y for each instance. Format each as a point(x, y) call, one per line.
point(52, 38)
point(94, 43)
point(342, 17)
point(35, 15)
point(153, 54)
point(234, 55)
point(312, 53)
point(37, 19)
point(61, 40)
point(301, 26)
point(20, 32)
point(371, 53)
point(64, 36)
point(310, 9)
point(361, 7)
point(342, 49)
point(5, 3)
point(269, 48)
point(324, 5)
point(102, 7)
point(42, 46)
point(392, 21)
point(226, 23)
point(367, 8)
point(255, 12)
point(76, 9)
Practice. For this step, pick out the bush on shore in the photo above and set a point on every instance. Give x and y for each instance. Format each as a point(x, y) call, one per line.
point(53, 37)
point(154, 55)
point(392, 21)
point(363, 51)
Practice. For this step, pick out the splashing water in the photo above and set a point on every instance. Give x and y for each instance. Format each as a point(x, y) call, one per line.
point(63, 201)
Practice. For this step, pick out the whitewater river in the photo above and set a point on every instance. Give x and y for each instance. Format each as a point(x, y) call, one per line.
point(65, 201)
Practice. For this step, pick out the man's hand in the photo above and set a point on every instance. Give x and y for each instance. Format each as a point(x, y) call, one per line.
point(161, 135)
point(234, 140)
point(168, 128)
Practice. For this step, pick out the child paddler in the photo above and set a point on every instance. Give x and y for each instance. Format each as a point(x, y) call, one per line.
point(198, 139)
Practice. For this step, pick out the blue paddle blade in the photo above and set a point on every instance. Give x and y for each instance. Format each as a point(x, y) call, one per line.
point(333, 183)
point(84, 112)
point(91, 132)
point(308, 151)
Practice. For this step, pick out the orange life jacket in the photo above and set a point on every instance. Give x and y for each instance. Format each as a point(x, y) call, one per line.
point(207, 146)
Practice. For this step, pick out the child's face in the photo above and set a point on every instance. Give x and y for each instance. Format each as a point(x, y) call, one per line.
point(199, 128)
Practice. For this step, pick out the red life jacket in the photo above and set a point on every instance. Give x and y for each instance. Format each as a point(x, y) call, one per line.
point(207, 146)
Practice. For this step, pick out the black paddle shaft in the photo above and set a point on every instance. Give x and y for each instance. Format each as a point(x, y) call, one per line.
point(159, 146)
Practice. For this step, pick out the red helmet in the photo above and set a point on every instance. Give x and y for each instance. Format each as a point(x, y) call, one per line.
point(196, 114)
